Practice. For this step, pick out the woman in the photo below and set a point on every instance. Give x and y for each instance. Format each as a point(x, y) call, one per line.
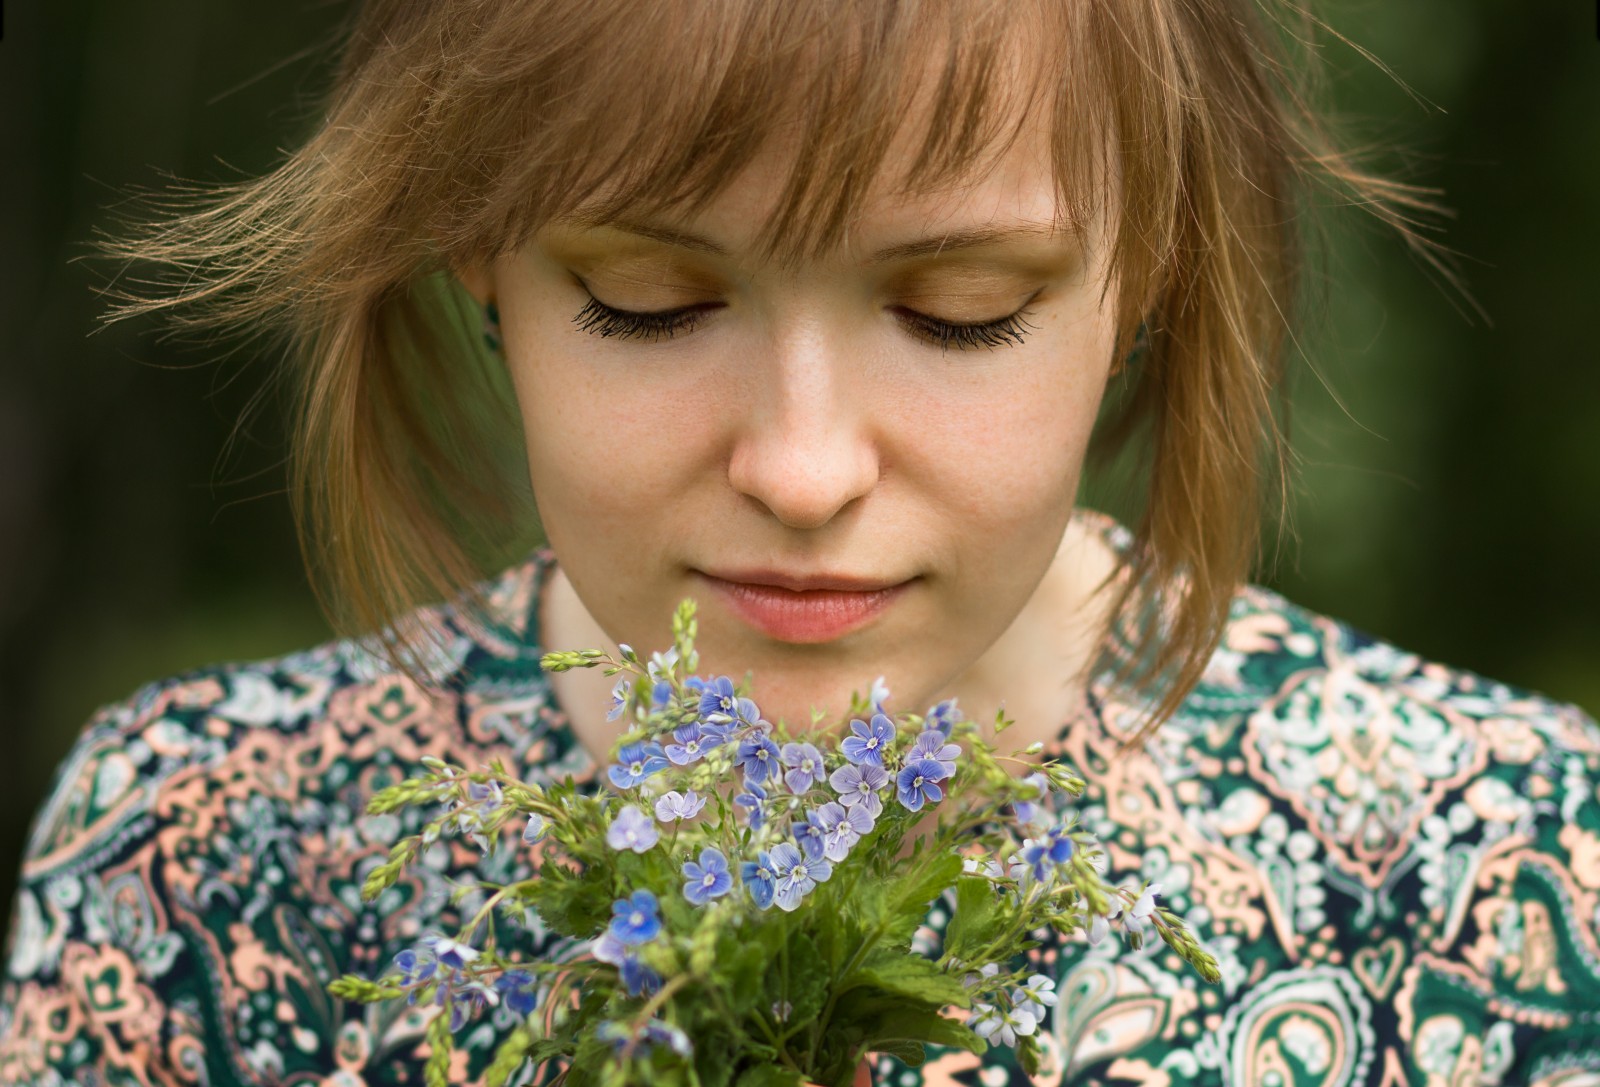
point(809, 311)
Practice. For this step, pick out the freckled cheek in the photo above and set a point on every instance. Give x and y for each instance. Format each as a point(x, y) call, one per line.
point(1013, 460)
point(605, 452)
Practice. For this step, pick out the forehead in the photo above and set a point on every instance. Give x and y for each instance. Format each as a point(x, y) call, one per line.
point(817, 131)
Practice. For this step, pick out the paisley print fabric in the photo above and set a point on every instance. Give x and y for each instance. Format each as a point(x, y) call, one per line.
point(1396, 864)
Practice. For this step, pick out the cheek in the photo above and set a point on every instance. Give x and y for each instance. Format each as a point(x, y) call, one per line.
point(606, 453)
point(1010, 453)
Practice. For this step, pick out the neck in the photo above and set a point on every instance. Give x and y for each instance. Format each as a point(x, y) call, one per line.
point(1038, 670)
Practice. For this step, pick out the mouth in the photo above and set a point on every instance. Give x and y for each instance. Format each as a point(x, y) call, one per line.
point(804, 610)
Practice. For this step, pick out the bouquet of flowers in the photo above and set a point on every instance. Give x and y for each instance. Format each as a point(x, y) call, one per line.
point(753, 898)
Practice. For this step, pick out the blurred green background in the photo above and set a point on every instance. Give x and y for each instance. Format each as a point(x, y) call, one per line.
point(1449, 506)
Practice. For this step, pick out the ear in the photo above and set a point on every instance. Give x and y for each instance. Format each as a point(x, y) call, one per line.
point(478, 281)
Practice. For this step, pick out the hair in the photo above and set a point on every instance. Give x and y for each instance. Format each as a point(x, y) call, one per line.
point(455, 129)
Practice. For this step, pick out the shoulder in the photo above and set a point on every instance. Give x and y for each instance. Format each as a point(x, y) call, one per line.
point(194, 875)
point(1380, 750)
point(1397, 862)
point(284, 721)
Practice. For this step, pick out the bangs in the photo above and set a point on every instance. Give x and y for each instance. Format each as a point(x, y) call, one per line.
point(611, 110)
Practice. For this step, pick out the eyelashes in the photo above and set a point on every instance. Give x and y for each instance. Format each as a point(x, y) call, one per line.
point(599, 319)
point(1005, 332)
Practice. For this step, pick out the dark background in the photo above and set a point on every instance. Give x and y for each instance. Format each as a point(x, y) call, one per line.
point(1450, 504)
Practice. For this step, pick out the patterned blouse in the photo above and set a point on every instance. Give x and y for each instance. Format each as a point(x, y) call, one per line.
point(1396, 864)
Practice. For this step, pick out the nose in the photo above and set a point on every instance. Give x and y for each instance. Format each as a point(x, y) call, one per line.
point(806, 445)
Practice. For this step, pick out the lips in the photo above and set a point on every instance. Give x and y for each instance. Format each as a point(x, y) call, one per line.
point(804, 610)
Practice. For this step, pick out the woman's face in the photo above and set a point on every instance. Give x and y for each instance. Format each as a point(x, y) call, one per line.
point(804, 425)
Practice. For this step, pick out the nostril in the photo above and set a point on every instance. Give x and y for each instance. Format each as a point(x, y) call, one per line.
point(804, 484)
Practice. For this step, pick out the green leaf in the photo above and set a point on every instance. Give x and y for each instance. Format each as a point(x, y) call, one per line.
point(975, 922)
point(808, 978)
point(907, 1024)
point(747, 969)
point(569, 904)
point(1028, 1054)
point(912, 898)
point(910, 1054)
point(910, 976)
point(769, 1075)
point(711, 1061)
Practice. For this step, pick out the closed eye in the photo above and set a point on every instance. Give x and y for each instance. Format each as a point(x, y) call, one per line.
point(599, 319)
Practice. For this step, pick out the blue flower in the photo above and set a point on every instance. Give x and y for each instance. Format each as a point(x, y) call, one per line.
point(842, 828)
point(796, 875)
point(760, 876)
point(450, 954)
point(483, 798)
point(635, 975)
point(932, 744)
point(519, 989)
point(859, 785)
point(486, 796)
point(653, 1034)
point(619, 699)
point(660, 695)
point(869, 740)
point(441, 962)
point(943, 715)
point(754, 798)
point(1036, 855)
point(418, 969)
point(719, 705)
point(535, 829)
point(917, 783)
point(632, 829)
point(1061, 845)
point(634, 920)
point(758, 757)
point(675, 805)
point(1033, 812)
point(638, 977)
point(694, 741)
point(464, 1000)
point(607, 948)
point(808, 835)
point(658, 1033)
point(807, 770)
point(709, 879)
point(635, 762)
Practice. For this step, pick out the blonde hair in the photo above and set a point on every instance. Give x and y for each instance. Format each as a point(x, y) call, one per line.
point(456, 128)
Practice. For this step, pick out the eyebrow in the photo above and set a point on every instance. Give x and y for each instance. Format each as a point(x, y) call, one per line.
point(933, 245)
